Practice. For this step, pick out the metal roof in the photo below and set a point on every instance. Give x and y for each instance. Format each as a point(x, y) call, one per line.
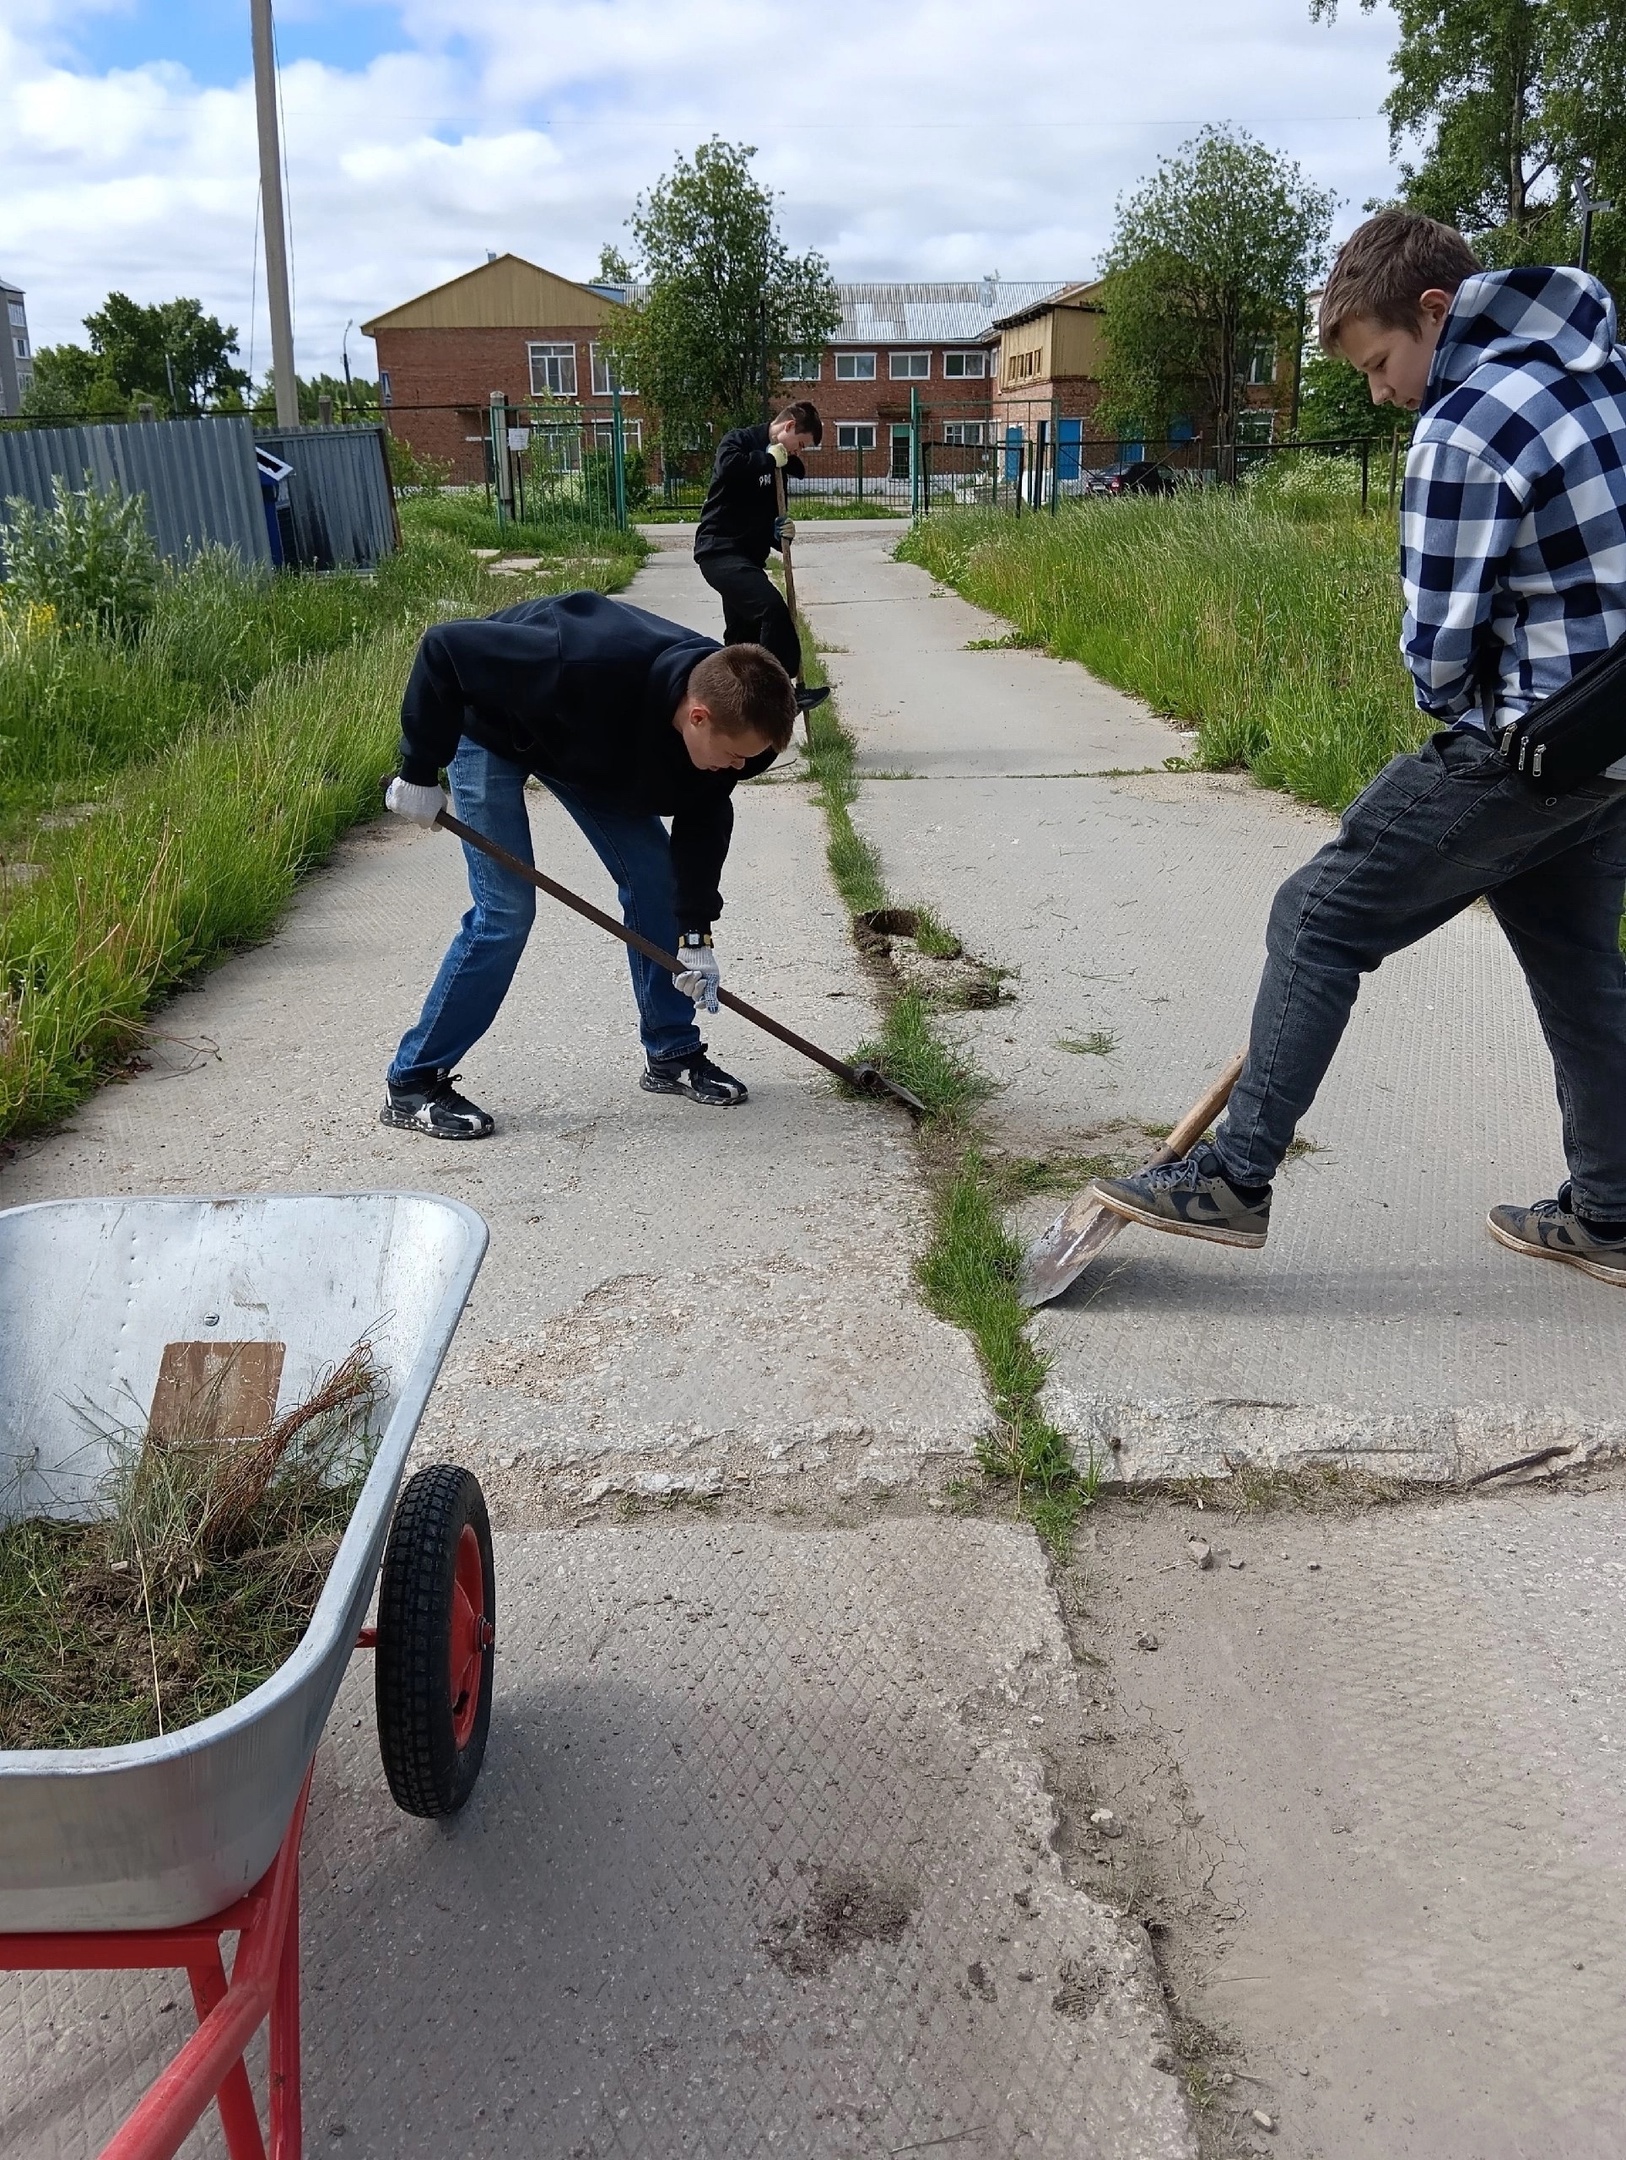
point(939, 313)
point(10, 285)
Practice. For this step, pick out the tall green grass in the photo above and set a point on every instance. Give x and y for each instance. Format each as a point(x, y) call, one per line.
point(194, 847)
point(1272, 625)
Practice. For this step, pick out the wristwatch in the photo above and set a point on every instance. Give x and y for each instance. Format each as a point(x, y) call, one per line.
point(692, 938)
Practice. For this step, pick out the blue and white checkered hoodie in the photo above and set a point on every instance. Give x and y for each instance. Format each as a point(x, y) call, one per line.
point(1513, 520)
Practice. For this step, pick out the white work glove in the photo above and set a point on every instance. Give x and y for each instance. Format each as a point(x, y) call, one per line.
point(779, 454)
point(784, 530)
point(418, 805)
point(699, 976)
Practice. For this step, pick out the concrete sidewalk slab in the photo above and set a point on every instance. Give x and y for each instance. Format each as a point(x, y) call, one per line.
point(1381, 1761)
point(1381, 1325)
point(760, 1862)
point(676, 1298)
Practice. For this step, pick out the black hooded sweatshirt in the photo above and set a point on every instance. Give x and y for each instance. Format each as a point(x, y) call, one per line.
point(580, 689)
point(742, 501)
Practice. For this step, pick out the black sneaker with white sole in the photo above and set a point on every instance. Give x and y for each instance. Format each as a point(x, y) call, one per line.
point(1551, 1230)
point(808, 695)
point(693, 1075)
point(438, 1110)
point(1193, 1198)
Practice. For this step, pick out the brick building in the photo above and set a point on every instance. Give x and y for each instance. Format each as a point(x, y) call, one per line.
point(978, 363)
point(508, 327)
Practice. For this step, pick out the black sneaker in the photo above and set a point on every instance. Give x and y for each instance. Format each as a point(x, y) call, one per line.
point(437, 1110)
point(693, 1075)
point(809, 695)
point(1551, 1230)
point(1192, 1198)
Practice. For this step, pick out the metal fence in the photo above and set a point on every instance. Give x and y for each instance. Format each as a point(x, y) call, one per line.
point(201, 485)
point(340, 507)
point(546, 461)
point(198, 477)
point(1379, 464)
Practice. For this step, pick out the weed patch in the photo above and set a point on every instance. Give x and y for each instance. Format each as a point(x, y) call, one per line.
point(1271, 626)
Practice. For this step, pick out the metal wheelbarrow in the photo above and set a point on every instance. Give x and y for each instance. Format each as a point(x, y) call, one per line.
point(143, 1856)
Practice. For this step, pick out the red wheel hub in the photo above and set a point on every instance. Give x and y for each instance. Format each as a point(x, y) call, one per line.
point(471, 1635)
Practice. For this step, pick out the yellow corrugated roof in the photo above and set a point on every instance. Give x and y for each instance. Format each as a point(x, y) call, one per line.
point(507, 294)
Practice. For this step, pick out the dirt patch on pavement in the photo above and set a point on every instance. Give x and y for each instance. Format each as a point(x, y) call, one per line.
point(847, 1907)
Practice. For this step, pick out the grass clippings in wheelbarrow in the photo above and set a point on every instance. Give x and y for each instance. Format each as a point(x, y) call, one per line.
point(195, 1584)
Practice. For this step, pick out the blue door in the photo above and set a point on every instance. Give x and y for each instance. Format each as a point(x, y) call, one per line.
point(1069, 448)
point(1013, 455)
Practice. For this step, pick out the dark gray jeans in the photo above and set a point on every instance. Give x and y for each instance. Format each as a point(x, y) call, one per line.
point(1433, 833)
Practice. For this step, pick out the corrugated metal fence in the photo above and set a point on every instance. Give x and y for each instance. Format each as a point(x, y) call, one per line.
point(199, 477)
point(340, 505)
point(202, 486)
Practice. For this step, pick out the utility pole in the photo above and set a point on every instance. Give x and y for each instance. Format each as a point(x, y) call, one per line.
point(276, 235)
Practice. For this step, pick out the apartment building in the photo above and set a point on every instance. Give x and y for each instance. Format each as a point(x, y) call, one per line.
point(17, 352)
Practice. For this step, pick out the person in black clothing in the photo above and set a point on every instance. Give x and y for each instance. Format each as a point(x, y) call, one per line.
point(741, 521)
point(625, 719)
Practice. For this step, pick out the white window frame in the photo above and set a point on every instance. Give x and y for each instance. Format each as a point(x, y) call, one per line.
point(1262, 364)
point(603, 374)
point(965, 434)
point(18, 314)
point(797, 369)
point(548, 359)
point(604, 434)
point(908, 371)
point(855, 367)
point(21, 344)
point(965, 372)
point(849, 431)
point(386, 393)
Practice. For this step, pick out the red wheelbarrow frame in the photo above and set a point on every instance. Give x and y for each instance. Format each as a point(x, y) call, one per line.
point(264, 1983)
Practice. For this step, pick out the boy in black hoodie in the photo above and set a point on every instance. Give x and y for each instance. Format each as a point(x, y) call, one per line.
point(626, 719)
point(741, 522)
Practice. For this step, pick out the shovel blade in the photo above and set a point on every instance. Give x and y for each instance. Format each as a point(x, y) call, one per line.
point(1055, 1261)
point(874, 1082)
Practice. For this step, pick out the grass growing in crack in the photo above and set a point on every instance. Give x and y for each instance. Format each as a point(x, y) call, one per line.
point(969, 1275)
point(1098, 1043)
point(910, 1051)
point(969, 1272)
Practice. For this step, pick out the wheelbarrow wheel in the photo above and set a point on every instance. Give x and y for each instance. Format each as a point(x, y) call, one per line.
point(436, 1616)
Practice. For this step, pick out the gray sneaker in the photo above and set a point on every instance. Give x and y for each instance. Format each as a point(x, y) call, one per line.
point(1189, 1197)
point(1551, 1230)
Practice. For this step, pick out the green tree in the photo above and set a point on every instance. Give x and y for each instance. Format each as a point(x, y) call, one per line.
point(1511, 109)
point(1335, 403)
point(726, 302)
point(613, 266)
point(172, 356)
point(1208, 263)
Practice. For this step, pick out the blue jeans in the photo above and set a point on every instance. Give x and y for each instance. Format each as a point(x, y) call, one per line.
point(488, 792)
point(1434, 832)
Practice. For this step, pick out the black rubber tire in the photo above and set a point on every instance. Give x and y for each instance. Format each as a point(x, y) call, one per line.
point(429, 1773)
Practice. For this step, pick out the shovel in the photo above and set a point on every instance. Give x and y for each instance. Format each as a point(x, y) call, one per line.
point(790, 582)
point(867, 1079)
point(1086, 1227)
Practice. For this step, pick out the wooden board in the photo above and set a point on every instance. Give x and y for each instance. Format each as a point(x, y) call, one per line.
point(216, 1390)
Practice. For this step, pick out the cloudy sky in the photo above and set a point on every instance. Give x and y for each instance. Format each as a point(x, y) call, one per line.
point(907, 138)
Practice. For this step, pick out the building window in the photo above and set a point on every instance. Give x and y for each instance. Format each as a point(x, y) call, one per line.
point(968, 434)
point(909, 366)
point(386, 395)
point(855, 434)
point(800, 367)
point(18, 314)
point(855, 367)
point(22, 347)
point(1023, 366)
point(553, 371)
point(966, 364)
point(1255, 427)
point(605, 380)
point(632, 432)
point(1262, 362)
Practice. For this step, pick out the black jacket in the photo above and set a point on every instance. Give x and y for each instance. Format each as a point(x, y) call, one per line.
point(580, 689)
point(742, 501)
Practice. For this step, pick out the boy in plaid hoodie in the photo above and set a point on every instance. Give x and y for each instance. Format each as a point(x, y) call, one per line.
point(1513, 571)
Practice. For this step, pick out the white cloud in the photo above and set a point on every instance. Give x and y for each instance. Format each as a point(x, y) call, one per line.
point(930, 138)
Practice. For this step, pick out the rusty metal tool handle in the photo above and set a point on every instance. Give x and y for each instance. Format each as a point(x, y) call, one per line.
point(650, 950)
point(784, 554)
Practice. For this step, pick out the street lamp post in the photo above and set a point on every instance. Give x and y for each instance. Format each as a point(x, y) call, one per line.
point(276, 233)
point(1588, 209)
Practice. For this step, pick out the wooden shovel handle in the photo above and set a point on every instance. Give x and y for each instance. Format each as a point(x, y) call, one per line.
point(1201, 1114)
point(784, 550)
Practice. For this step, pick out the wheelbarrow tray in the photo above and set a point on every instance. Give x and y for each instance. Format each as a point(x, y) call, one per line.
point(171, 1830)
